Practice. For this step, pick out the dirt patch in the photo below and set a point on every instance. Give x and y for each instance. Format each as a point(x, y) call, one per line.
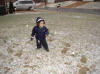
point(50, 39)
point(9, 50)
point(4, 41)
point(25, 72)
point(38, 57)
point(67, 45)
point(15, 45)
point(6, 70)
point(27, 62)
point(29, 42)
point(83, 70)
point(64, 51)
point(83, 59)
point(67, 63)
point(10, 60)
point(32, 67)
point(19, 53)
point(28, 66)
point(1, 54)
point(93, 68)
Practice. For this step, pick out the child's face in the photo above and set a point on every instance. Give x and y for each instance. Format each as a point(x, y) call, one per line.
point(41, 24)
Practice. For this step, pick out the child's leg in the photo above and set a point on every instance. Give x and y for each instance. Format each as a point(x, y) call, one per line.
point(38, 44)
point(45, 45)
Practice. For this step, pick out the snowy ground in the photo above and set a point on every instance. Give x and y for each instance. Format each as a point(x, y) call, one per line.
point(62, 4)
point(74, 44)
point(90, 5)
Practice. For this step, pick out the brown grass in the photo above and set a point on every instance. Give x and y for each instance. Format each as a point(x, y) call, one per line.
point(68, 63)
point(15, 45)
point(64, 51)
point(83, 70)
point(10, 60)
point(6, 69)
point(0, 54)
point(19, 53)
point(9, 50)
point(32, 67)
point(83, 59)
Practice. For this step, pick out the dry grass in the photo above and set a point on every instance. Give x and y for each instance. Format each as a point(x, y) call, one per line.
point(10, 50)
point(64, 51)
point(83, 59)
point(83, 70)
point(19, 53)
point(6, 70)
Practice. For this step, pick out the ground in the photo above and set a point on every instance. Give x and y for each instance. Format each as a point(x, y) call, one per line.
point(74, 44)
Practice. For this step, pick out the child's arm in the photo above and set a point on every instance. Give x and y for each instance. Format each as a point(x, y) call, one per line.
point(46, 31)
point(33, 33)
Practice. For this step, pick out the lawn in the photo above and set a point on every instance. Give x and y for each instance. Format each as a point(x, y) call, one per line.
point(74, 44)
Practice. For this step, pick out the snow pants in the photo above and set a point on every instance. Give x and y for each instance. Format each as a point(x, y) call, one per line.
point(42, 43)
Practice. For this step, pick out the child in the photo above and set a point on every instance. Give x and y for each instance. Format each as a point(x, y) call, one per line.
point(40, 32)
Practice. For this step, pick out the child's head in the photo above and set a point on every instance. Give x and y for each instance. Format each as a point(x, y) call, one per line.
point(40, 22)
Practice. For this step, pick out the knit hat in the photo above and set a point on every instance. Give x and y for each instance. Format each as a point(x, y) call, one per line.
point(38, 20)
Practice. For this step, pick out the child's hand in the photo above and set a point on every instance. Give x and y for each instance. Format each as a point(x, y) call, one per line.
point(32, 38)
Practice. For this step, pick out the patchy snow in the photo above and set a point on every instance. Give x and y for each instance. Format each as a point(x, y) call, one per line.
point(90, 5)
point(74, 44)
point(65, 3)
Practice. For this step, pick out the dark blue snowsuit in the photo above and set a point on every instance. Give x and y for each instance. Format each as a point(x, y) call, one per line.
point(40, 35)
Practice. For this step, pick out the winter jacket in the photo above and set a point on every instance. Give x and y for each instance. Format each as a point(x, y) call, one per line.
point(40, 34)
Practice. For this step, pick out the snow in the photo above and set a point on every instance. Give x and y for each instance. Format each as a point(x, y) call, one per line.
point(90, 5)
point(72, 35)
point(65, 3)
